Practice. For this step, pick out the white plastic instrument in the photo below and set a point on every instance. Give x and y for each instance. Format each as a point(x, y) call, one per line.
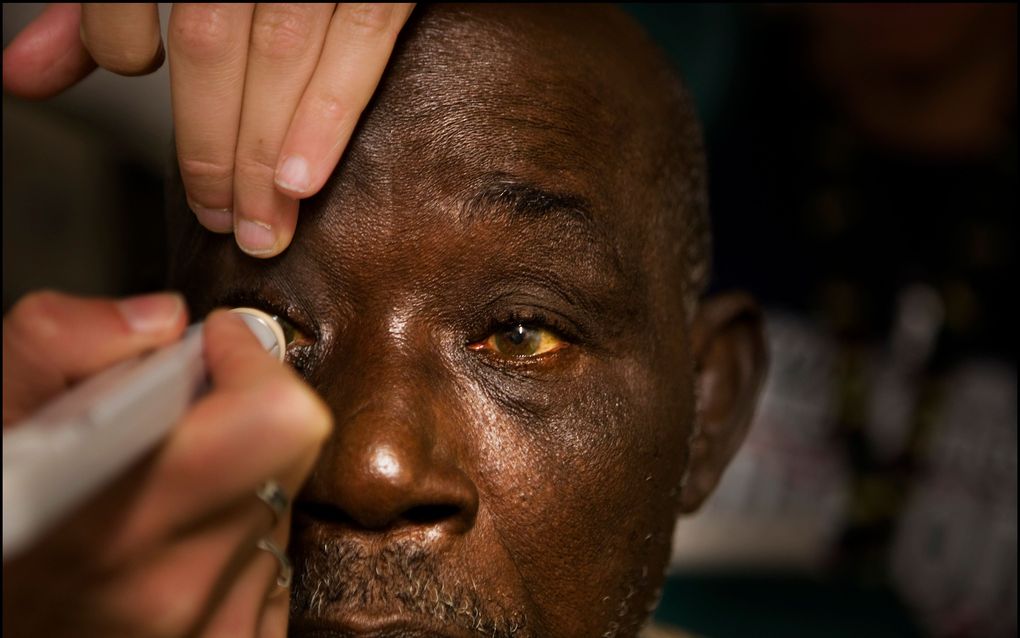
point(69, 449)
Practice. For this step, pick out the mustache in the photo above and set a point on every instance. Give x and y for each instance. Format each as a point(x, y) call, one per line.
point(338, 574)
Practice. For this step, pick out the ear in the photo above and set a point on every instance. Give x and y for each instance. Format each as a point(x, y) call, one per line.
point(728, 346)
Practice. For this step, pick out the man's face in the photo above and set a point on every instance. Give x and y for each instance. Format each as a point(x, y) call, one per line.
point(487, 309)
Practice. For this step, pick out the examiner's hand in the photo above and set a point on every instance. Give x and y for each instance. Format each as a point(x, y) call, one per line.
point(170, 548)
point(265, 97)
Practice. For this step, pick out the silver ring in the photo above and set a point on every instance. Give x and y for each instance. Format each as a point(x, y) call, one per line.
point(275, 498)
point(286, 573)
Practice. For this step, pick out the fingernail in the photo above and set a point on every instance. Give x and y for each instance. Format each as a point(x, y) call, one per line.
point(293, 174)
point(152, 313)
point(218, 220)
point(255, 237)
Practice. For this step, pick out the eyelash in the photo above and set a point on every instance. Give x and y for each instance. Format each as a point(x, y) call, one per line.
point(531, 319)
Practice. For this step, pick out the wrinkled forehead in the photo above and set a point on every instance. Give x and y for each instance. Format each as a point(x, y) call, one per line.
point(483, 95)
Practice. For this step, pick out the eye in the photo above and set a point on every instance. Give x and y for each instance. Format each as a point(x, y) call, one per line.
point(292, 335)
point(520, 341)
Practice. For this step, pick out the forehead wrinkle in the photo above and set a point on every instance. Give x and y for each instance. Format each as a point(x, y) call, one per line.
point(497, 90)
point(488, 133)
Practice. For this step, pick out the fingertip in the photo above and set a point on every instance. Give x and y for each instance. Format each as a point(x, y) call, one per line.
point(223, 323)
point(320, 418)
point(124, 39)
point(263, 240)
point(313, 188)
point(293, 177)
point(295, 400)
point(233, 353)
point(217, 220)
point(225, 338)
point(154, 314)
point(302, 409)
point(256, 238)
point(222, 328)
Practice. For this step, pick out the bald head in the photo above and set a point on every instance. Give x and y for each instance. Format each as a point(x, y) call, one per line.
point(492, 291)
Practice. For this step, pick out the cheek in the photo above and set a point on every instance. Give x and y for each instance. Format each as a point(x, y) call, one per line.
point(583, 469)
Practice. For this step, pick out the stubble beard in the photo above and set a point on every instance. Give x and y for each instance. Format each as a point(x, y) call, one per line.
point(339, 575)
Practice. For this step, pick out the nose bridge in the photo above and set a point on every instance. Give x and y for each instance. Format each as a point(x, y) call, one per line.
point(389, 427)
point(391, 463)
point(387, 391)
point(381, 362)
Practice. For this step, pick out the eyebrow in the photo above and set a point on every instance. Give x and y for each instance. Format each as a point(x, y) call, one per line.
point(529, 201)
point(522, 200)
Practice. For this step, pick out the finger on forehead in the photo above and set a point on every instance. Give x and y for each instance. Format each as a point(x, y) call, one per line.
point(123, 38)
point(208, 46)
point(357, 50)
point(286, 40)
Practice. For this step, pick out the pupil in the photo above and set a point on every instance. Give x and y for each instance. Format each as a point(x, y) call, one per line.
point(517, 335)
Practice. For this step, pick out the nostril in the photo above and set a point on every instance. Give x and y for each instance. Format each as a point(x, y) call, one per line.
point(419, 515)
point(430, 514)
point(323, 513)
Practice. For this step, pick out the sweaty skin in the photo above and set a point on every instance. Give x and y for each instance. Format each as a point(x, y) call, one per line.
point(523, 176)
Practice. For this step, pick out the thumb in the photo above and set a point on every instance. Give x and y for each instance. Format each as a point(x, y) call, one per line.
point(51, 340)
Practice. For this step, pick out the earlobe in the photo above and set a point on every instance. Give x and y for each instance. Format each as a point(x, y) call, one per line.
point(728, 346)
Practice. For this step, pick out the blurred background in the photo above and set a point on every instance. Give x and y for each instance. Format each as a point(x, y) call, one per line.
point(863, 177)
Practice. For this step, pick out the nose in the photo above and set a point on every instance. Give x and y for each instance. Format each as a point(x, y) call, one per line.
point(388, 468)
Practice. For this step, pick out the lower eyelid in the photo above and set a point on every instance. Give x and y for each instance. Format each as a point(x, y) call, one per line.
point(550, 363)
point(300, 359)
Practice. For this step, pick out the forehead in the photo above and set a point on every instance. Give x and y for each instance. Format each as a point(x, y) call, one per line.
point(479, 98)
point(505, 90)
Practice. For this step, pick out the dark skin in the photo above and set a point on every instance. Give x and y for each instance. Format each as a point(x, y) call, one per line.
point(489, 298)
